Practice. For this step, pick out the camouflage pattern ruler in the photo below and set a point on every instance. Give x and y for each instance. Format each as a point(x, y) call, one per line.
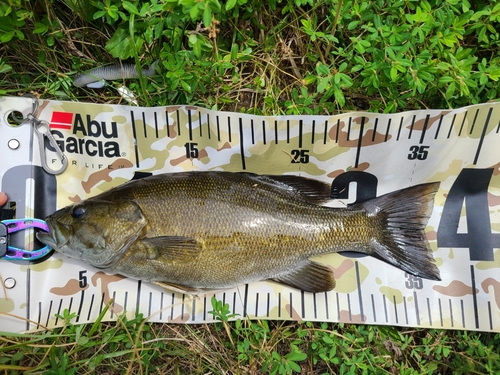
point(360, 154)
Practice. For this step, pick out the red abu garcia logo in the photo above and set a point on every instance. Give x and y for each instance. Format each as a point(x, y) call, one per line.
point(89, 137)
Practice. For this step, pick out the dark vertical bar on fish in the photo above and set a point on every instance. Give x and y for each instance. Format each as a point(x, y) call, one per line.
point(439, 126)
point(429, 312)
point(360, 293)
point(411, 126)
point(483, 134)
point(417, 312)
point(134, 134)
point(424, 130)
point(360, 141)
point(474, 295)
point(451, 125)
point(242, 146)
point(79, 311)
point(388, 130)
point(400, 127)
point(463, 123)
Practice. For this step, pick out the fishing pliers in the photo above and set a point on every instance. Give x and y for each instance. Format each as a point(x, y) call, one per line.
point(8, 252)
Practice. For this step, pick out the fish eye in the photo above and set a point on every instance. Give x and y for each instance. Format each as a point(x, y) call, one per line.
point(78, 212)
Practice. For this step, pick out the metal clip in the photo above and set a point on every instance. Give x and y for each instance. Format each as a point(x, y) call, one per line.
point(42, 129)
point(15, 225)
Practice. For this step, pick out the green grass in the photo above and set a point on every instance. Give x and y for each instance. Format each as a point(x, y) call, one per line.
point(262, 57)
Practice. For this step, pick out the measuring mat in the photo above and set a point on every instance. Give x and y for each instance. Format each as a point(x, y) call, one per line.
point(360, 154)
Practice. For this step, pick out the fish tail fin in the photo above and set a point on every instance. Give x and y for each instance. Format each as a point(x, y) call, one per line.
point(400, 219)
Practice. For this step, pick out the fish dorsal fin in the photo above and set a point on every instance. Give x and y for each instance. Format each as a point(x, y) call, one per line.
point(310, 277)
point(313, 191)
point(172, 248)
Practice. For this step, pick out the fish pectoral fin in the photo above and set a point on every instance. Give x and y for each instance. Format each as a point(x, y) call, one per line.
point(311, 277)
point(179, 288)
point(172, 248)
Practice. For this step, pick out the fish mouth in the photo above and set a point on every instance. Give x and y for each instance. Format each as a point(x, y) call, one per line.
point(57, 236)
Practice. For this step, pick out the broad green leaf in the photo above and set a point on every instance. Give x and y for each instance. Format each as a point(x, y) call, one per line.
point(207, 16)
point(129, 7)
point(120, 45)
point(230, 4)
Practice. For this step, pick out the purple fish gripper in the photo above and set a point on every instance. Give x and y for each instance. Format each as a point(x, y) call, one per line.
point(16, 225)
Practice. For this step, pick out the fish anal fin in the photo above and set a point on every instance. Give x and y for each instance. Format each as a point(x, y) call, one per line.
point(172, 248)
point(313, 191)
point(178, 288)
point(310, 277)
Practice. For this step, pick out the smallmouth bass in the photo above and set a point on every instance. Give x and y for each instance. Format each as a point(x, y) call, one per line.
point(193, 231)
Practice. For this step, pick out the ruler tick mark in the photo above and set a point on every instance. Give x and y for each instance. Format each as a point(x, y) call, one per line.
point(218, 128)
point(474, 121)
point(90, 307)
point(168, 125)
point(429, 312)
point(483, 134)
point(300, 132)
point(156, 124)
point(229, 127)
point(374, 130)
point(314, 130)
point(411, 126)
point(400, 127)
point(462, 125)
point(276, 131)
point(439, 126)
point(424, 129)
point(474, 295)
point(326, 130)
point(178, 122)
point(451, 125)
point(387, 131)
point(199, 124)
